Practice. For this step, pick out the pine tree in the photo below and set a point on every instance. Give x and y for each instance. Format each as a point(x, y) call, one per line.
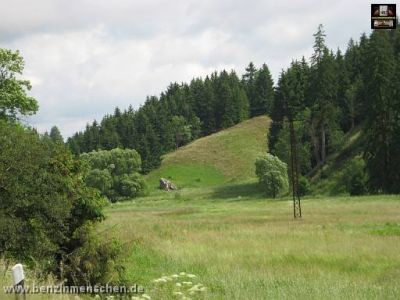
point(225, 110)
point(380, 116)
point(250, 75)
point(263, 93)
point(109, 138)
point(96, 136)
point(73, 144)
point(323, 95)
point(55, 135)
point(277, 115)
point(248, 79)
point(319, 45)
point(148, 144)
point(209, 121)
point(239, 99)
point(395, 133)
point(203, 98)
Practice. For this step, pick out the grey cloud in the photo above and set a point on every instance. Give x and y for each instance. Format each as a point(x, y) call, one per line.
point(123, 18)
point(86, 57)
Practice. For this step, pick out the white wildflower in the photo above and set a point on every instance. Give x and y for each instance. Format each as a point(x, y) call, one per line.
point(187, 283)
point(182, 273)
point(191, 275)
point(175, 276)
point(194, 288)
point(178, 284)
point(178, 293)
point(145, 296)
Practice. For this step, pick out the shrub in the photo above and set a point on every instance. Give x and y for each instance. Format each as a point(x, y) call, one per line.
point(304, 186)
point(355, 178)
point(272, 174)
point(95, 262)
point(99, 179)
point(45, 205)
point(129, 185)
point(115, 173)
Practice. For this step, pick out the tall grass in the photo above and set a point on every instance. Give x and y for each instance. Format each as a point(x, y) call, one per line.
point(251, 248)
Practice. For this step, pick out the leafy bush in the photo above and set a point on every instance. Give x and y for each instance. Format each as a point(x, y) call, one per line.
point(45, 206)
point(99, 179)
point(129, 185)
point(304, 186)
point(355, 178)
point(95, 262)
point(272, 174)
point(115, 173)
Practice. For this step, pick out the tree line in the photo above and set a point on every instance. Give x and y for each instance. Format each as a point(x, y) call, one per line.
point(332, 94)
point(182, 113)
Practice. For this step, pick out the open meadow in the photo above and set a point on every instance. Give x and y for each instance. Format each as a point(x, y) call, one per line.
point(249, 247)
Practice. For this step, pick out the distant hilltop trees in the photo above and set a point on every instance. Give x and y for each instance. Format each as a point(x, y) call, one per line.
point(182, 113)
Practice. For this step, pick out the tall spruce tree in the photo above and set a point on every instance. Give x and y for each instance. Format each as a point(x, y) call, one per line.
point(381, 118)
point(55, 135)
point(263, 93)
point(323, 94)
point(248, 79)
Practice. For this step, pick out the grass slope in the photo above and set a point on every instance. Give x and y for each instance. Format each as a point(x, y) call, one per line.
point(247, 247)
point(226, 156)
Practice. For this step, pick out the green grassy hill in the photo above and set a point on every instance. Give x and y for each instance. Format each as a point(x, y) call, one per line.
point(226, 156)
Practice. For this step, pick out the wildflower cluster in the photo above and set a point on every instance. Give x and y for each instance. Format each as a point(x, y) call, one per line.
point(182, 285)
point(139, 297)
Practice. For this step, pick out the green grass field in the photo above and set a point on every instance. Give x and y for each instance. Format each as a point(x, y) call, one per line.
point(243, 246)
point(220, 227)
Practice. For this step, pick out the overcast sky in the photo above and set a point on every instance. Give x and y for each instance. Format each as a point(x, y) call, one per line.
point(86, 57)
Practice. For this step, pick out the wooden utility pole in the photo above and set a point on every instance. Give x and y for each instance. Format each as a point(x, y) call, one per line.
point(294, 168)
point(294, 171)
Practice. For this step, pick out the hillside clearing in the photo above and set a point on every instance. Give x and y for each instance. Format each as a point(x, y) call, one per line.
point(226, 156)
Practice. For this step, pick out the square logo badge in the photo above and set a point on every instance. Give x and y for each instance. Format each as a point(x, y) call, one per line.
point(383, 16)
